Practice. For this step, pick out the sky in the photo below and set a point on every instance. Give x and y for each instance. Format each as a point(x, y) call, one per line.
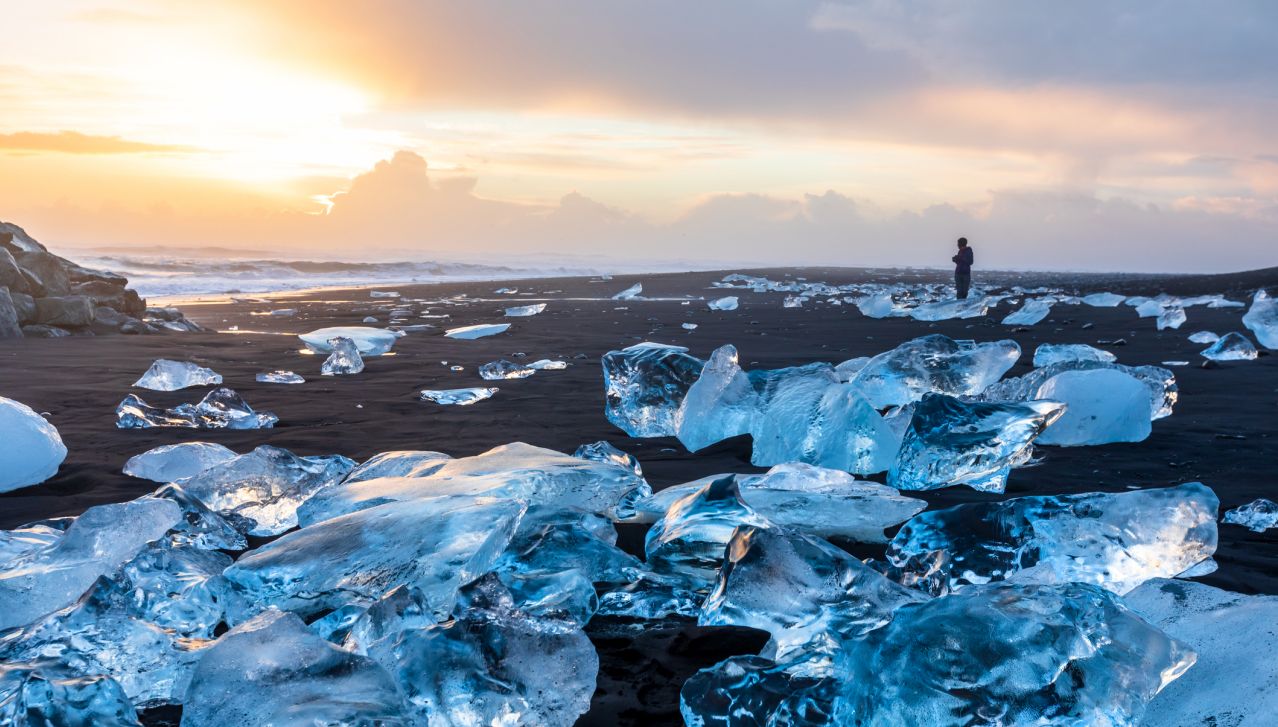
point(1089, 135)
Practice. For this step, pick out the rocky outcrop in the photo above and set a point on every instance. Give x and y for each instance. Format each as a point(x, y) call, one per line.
point(43, 295)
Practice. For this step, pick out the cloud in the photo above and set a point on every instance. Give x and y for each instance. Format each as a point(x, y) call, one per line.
point(74, 142)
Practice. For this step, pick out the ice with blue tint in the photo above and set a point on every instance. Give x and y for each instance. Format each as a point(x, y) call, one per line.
point(33, 449)
point(1258, 515)
point(545, 364)
point(878, 305)
point(458, 397)
point(752, 690)
point(1031, 312)
point(264, 488)
point(631, 293)
point(721, 403)
point(100, 540)
point(933, 364)
point(1231, 347)
point(1262, 319)
point(1102, 406)
point(726, 303)
point(172, 462)
point(1160, 383)
point(344, 359)
point(481, 330)
point(794, 301)
point(45, 693)
point(221, 408)
point(1116, 541)
point(399, 463)
point(502, 369)
point(523, 311)
point(644, 386)
point(952, 442)
point(279, 377)
point(1104, 300)
point(1234, 637)
point(602, 451)
point(368, 341)
point(434, 545)
point(688, 540)
point(272, 670)
point(1053, 353)
point(950, 309)
point(200, 527)
point(166, 375)
point(1172, 317)
point(1203, 337)
point(32, 536)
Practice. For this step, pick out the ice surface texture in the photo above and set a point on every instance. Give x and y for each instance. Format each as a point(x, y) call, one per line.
point(727, 303)
point(343, 360)
point(1030, 313)
point(630, 293)
point(33, 449)
point(1160, 382)
point(1262, 319)
point(1052, 353)
point(280, 377)
point(221, 408)
point(369, 341)
point(1231, 347)
point(644, 386)
point(173, 462)
point(44, 692)
point(502, 370)
point(934, 364)
point(166, 375)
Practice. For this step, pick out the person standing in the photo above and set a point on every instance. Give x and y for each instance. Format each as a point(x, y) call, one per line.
point(962, 269)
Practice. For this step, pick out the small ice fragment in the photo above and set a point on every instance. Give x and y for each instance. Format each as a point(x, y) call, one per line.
point(221, 408)
point(1049, 353)
point(725, 303)
point(344, 359)
point(1030, 313)
point(506, 291)
point(369, 319)
point(1203, 337)
point(280, 376)
point(173, 462)
point(1173, 363)
point(793, 301)
point(602, 451)
point(369, 341)
point(502, 369)
point(456, 368)
point(458, 397)
point(1258, 515)
point(284, 312)
point(382, 294)
point(32, 449)
point(1104, 300)
point(46, 692)
point(630, 293)
point(1231, 347)
point(546, 364)
point(689, 326)
point(1171, 318)
point(166, 375)
point(468, 333)
point(523, 311)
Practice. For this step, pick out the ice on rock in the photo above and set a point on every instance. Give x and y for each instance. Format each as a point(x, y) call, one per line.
point(402, 463)
point(434, 545)
point(45, 693)
point(166, 375)
point(1160, 382)
point(644, 386)
point(1203, 337)
point(1258, 515)
point(602, 451)
point(368, 341)
point(951, 442)
point(1102, 406)
point(523, 311)
point(1234, 638)
point(630, 293)
point(1171, 318)
point(173, 462)
point(344, 358)
point(726, 303)
point(1231, 347)
point(721, 403)
point(482, 330)
point(1014, 655)
point(688, 541)
point(458, 397)
point(264, 488)
point(280, 377)
point(502, 369)
point(1104, 300)
point(1052, 353)
point(1116, 541)
point(221, 408)
point(951, 309)
point(33, 449)
point(1030, 313)
point(272, 670)
point(1262, 319)
point(934, 364)
point(97, 542)
point(540, 477)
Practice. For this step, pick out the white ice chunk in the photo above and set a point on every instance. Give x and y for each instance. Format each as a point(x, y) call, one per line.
point(523, 311)
point(369, 341)
point(166, 375)
point(482, 330)
point(32, 449)
point(1102, 406)
point(630, 293)
point(173, 462)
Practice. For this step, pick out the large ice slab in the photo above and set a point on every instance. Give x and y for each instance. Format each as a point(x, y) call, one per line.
point(1102, 406)
point(1031, 312)
point(399, 463)
point(1232, 346)
point(1258, 515)
point(344, 359)
point(945, 310)
point(482, 330)
point(644, 385)
point(1160, 382)
point(166, 375)
point(688, 541)
point(951, 442)
point(934, 364)
point(369, 341)
point(221, 408)
point(172, 462)
point(1262, 319)
point(33, 449)
point(1052, 353)
point(44, 692)
point(1116, 541)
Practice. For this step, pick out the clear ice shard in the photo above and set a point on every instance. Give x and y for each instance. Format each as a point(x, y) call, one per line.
point(934, 364)
point(644, 385)
point(1116, 541)
point(878, 305)
point(502, 370)
point(1231, 347)
point(950, 309)
point(344, 358)
point(482, 330)
point(1053, 353)
point(200, 527)
point(44, 692)
point(1172, 317)
point(1234, 637)
point(793, 301)
point(1102, 406)
point(602, 451)
point(725, 303)
point(951, 442)
point(33, 449)
point(166, 375)
point(434, 545)
point(721, 403)
point(458, 397)
point(517, 471)
point(272, 670)
point(630, 293)
point(1203, 337)
point(369, 341)
point(221, 408)
point(172, 462)
point(1014, 655)
point(1104, 300)
point(493, 664)
point(264, 488)
point(400, 463)
point(96, 543)
point(1258, 515)
point(280, 377)
point(1160, 382)
point(1031, 312)
point(523, 311)
point(688, 541)
point(545, 364)
point(1262, 319)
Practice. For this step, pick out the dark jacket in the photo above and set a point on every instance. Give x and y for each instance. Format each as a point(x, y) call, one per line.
point(963, 261)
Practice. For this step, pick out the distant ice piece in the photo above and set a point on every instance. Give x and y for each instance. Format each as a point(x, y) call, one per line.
point(1231, 347)
point(1102, 406)
point(523, 311)
point(173, 462)
point(934, 363)
point(273, 670)
point(1104, 300)
point(630, 293)
point(688, 541)
point(950, 309)
point(221, 408)
point(344, 359)
point(602, 451)
point(32, 449)
point(1172, 317)
point(951, 442)
point(688, 326)
point(369, 341)
point(458, 397)
point(1262, 319)
point(166, 375)
point(1031, 312)
point(505, 291)
point(1052, 353)
point(545, 364)
point(46, 692)
point(1116, 541)
point(369, 319)
point(383, 294)
point(1148, 307)
point(878, 305)
point(1258, 515)
point(793, 301)
point(725, 303)
point(502, 369)
point(644, 385)
point(280, 377)
point(1203, 337)
point(482, 330)
point(403, 463)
